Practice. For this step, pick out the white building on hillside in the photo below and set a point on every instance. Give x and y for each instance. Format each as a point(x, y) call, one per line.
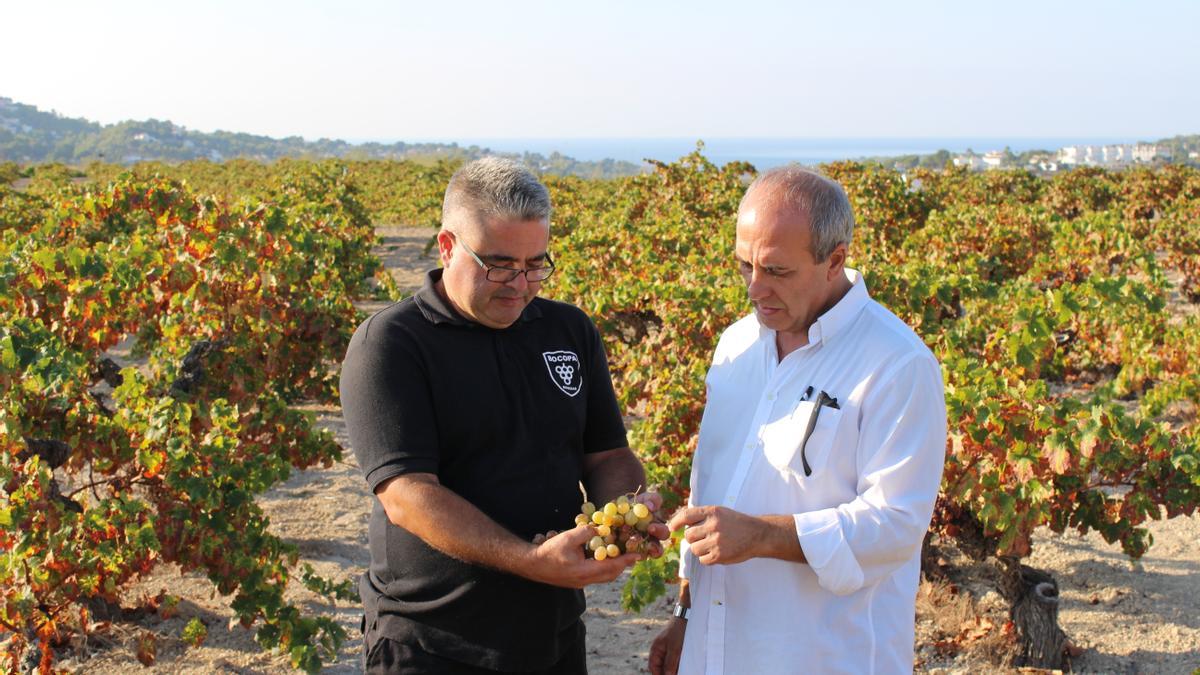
point(1071, 155)
point(1148, 152)
point(1116, 155)
point(1110, 155)
point(972, 161)
point(993, 159)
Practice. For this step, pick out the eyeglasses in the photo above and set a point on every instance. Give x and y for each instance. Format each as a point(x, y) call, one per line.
point(503, 275)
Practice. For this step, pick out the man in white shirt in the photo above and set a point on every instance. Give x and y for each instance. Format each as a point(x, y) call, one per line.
point(819, 459)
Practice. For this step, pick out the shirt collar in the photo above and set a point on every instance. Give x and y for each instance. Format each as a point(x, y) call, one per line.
point(837, 317)
point(844, 312)
point(438, 310)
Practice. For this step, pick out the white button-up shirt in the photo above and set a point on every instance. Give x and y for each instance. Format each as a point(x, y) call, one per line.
point(876, 465)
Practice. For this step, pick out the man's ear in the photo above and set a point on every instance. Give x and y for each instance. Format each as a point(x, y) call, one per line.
point(836, 263)
point(445, 244)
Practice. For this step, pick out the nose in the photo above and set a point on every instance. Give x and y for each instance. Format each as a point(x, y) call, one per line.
point(519, 282)
point(756, 286)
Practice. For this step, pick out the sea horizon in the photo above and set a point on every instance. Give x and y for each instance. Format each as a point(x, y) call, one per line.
point(763, 152)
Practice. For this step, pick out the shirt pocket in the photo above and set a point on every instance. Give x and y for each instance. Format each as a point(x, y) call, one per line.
point(783, 439)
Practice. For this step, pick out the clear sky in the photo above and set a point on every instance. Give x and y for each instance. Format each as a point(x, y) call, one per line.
point(649, 68)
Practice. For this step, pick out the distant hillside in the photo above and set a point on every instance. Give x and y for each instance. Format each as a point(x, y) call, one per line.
point(29, 135)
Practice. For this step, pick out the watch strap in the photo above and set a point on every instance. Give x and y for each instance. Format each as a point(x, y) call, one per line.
point(681, 611)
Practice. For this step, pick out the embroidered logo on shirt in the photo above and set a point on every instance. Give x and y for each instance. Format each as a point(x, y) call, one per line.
point(564, 370)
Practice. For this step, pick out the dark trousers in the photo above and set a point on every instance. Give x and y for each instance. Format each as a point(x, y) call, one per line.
point(384, 656)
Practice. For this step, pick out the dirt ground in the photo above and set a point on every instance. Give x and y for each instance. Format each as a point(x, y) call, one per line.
point(1123, 618)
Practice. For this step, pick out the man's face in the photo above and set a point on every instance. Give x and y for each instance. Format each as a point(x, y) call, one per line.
point(788, 287)
point(519, 244)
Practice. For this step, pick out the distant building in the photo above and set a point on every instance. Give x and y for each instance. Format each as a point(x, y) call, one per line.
point(993, 160)
point(1116, 155)
point(1072, 155)
point(1043, 164)
point(1113, 156)
point(970, 160)
point(1148, 152)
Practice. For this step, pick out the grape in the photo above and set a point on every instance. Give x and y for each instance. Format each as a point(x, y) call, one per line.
point(618, 527)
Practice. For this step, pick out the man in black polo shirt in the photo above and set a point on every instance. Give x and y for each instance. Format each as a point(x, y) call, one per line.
point(475, 409)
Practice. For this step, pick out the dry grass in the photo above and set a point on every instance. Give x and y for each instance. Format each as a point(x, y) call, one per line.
point(958, 634)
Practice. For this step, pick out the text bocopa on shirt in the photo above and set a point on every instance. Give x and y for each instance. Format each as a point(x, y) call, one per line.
point(876, 464)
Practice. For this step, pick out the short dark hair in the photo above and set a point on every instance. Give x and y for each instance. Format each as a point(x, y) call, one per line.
point(494, 187)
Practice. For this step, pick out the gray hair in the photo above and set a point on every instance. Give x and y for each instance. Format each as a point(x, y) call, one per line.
point(822, 199)
point(494, 187)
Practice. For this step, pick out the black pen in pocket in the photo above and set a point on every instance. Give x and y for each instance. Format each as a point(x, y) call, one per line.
point(823, 400)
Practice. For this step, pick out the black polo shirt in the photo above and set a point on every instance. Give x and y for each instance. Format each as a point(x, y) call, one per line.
point(503, 417)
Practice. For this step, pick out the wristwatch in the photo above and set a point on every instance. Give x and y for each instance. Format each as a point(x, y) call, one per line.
point(681, 611)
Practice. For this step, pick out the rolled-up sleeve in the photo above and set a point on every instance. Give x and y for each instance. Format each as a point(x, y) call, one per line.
point(901, 451)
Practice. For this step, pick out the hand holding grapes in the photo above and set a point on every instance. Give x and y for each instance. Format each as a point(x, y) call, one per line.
point(627, 525)
point(560, 561)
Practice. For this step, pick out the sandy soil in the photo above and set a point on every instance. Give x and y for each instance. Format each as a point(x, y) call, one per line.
point(1124, 618)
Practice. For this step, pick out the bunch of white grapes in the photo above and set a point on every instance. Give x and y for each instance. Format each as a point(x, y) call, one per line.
point(619, 526)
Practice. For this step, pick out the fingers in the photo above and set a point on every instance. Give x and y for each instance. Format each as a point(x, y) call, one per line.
point(658, 531)
point(658, 650)
point(604, 571)
point(689, 515)
point(653, 550)
point(628, 559)
point(578, 535)
point(665, 651)
point(652, 500)
point(672, 661)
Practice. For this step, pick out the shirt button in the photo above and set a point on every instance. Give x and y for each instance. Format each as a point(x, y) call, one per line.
point(749, 446)
point(771, 397)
